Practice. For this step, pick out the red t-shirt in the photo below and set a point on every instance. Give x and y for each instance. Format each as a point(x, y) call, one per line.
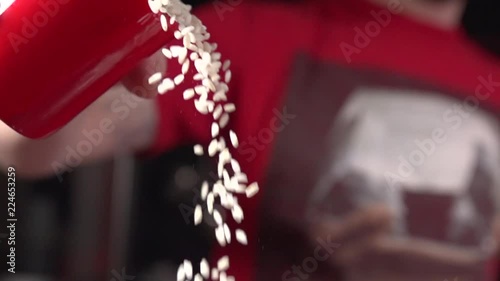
point(318, 83)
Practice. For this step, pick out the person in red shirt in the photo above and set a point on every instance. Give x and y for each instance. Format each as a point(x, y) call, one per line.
point(371, 126)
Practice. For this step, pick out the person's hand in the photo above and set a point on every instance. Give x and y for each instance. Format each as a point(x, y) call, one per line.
point(136, 81)
point(368, 251)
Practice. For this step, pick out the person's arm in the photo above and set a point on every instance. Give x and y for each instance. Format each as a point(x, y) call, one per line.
point(117, 122)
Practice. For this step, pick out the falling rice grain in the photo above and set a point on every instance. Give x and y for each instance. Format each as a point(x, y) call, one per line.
point(165, 86)
point(204, 190)
point(236, 167)
point(242, 177)
point(252, 189)
point(215, 129)
point(226, 65)
point(155, 78)
point(217, 217)
point(237, 213)
point(186, 42)
point(204, 269)
point(234, 139)
point(164, 24)
point(219, 235)
point(166, 52)
point(185, 67)
point(222, 276)
point(154, 5)
point(178, 79)
point(227, 76)
point(215, 274)
point(241, 236)
point(210, 202)
point(181, 274)
point(188, 94)
point(193, 56)
point(224, 119)
point(198, 215)
point(188, 269)
point(227, 233)
point(217, 112)
point(212, 148)
point(223, 263)
point(230, 107)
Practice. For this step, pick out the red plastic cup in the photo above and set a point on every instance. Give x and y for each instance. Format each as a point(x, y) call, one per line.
point(58, 56)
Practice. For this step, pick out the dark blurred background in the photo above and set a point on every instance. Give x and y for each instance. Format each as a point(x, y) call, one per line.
point(134, 216)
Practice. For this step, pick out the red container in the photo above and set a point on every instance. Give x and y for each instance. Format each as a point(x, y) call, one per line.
point(58, 56)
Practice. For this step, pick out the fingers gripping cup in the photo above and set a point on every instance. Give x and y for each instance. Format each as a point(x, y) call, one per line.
point(58, 56)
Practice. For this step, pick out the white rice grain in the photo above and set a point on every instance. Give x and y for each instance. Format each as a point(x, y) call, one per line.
point(225, 157)
point(241, 236)
point(177, 35)
point(212, 148)
point(198, 76)
point(201, 106)
point(188, 269)
point(219, 235)
point(164, 23)
point(193, 56)
point(223, 263)
point(236, 167)
point(242, 177)
point(222, 276)
point(210, 202)
point(166, 85)
point(240, 188)
point(215, 130)
point(237, 213)
point(185, 67)
point(224, 119)
point(220, 96)
point(181, 274)
point(178, 79)
point(155, 78)
point(198, 215)
point(252, 189)
point(182, 55)
point(166, 52)
point(217, 112)
point(154, 5)
point(226, 65)
point(234, 139)
point(186, 42)
point(187, 30)
point(188, 94)
point(217, 217)
point(204, 269)
point(226, 177)
point(215, 274)
point(222, 144)
point(204, 190)
point(200, 89)
point(209, 84)
point(198, 277)
point(176, 50)
point(230, 107)
point(227, 76)
point(227, 233)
